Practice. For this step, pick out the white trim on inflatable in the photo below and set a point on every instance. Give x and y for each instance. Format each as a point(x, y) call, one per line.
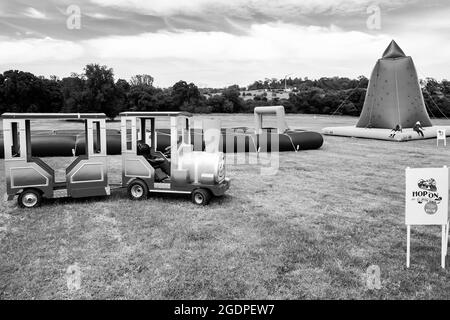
point(383, 134)
point(277, 110)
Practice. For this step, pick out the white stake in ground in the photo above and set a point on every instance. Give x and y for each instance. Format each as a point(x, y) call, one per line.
point(441, 136)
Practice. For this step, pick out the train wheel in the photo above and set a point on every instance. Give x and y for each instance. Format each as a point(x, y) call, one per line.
point(201, 197)
point(137, 190)
point(29, 198)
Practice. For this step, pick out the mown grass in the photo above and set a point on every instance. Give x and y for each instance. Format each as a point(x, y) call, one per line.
point(308, 232)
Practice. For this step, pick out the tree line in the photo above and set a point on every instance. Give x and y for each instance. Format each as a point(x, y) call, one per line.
point(96, 90)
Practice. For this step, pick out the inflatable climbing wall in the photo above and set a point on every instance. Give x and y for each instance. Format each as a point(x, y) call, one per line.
point(394, 96)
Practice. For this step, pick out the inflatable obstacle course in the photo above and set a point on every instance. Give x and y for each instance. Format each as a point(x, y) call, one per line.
point(394, 98)
point(269, 139)
point(66, 143)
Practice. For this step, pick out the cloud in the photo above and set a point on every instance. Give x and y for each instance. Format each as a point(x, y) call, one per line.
point(34, 14)
point(220, 58)
point(208, 44)
point(100, 16)
point(36, 50)
point(248, 7)
point(263, 42)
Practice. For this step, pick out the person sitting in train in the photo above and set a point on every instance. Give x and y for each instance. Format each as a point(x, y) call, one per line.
point(158, 162)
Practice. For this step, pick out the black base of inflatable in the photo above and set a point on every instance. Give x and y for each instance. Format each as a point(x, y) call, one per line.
point(66, 143)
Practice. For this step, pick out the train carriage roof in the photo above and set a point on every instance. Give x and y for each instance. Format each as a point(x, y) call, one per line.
point(62, 116)
point(155, 114)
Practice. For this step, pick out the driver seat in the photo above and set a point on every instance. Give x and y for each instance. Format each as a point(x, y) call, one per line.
point(161, 165)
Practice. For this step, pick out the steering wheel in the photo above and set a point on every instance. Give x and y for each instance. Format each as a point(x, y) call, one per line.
point(166, 152)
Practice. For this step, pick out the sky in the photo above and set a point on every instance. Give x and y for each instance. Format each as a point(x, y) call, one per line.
point(222, 42)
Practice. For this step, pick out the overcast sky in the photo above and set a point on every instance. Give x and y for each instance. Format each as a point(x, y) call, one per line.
point(222, 42)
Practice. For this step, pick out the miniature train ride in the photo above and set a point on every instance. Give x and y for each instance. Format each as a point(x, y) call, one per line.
point(179, 169)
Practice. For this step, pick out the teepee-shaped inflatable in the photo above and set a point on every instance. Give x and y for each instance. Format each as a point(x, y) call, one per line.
point(393, 96)
point(393, 99)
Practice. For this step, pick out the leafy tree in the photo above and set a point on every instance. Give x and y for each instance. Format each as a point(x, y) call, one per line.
point(143, 96)
point(142, 80)
point(232, 94)
point(228, 106)
point(184, 94)
point(24, 92)
point(216, 103)
point(100, 92)
point(72, 91)
point(96, 91)
point(122, 87)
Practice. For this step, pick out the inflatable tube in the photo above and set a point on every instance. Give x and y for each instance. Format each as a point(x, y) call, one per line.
point(266, 142)
point(230, 143)
point(306, 140)
point(52, 146)
point(62, 143)
point(113, 141)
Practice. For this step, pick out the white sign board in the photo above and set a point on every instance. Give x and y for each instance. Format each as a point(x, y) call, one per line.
point(441, 135)
point(427, 203)
point(426, 196)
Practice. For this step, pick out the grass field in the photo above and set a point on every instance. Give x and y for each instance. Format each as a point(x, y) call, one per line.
point(308, 232)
